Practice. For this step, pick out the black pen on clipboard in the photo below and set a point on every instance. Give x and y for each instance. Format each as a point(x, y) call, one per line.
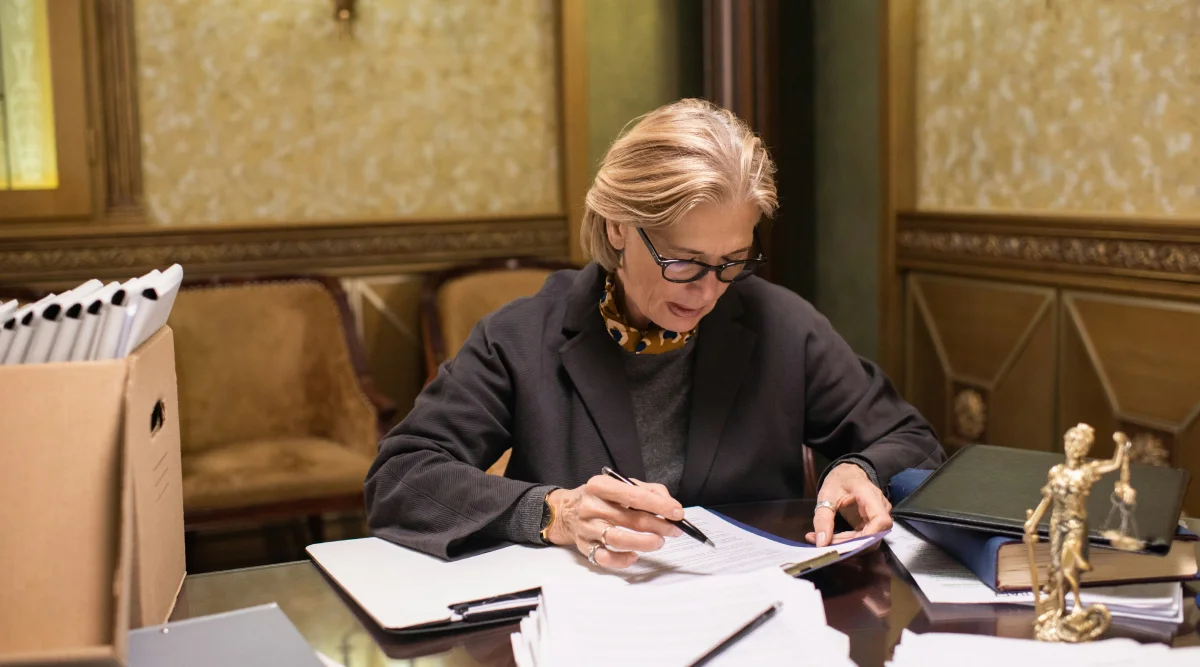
point(683, 524)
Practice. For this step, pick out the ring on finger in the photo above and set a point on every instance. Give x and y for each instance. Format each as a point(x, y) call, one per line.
point(592, 553)
point(824, 504)
point(604, 536)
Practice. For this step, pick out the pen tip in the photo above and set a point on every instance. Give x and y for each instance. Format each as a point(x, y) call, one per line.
point(710, 543)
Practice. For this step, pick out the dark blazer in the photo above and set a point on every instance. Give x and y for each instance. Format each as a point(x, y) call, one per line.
point(542, 376)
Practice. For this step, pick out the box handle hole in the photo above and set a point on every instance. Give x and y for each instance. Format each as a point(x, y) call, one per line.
point(157, 416)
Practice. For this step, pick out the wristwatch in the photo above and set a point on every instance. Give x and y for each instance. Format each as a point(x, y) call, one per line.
point(548, 513)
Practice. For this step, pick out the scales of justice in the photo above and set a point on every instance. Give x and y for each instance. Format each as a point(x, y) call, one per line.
point(1066, 493)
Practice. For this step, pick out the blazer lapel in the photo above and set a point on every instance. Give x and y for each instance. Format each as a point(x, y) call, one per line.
point(597, 369)
point(723, 353)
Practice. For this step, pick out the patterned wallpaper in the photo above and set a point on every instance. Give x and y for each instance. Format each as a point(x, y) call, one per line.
point(259, 110)
point(1070, 105)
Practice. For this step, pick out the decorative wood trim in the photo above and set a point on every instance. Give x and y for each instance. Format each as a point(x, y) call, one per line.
point(1100, 224)
point(1155, 249)
point(1165, 260)
point(337, 248)
point(968, 407)
point(119, 108)
point(573, 69)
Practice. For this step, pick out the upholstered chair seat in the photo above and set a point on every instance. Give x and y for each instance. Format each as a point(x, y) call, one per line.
point(254, 472)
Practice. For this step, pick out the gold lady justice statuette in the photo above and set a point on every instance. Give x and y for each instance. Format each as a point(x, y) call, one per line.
point(1065, 494)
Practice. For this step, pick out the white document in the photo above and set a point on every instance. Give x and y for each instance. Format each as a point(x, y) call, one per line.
point(116, 320)
point(69, 319)
point(8, 327)
point(738, 550)
point(47, 327)
point(157, 297)
point(89, 322)
point(24, 321)
point(945, 649)
point(944, 580)
point(400, 588)
point(591, 623)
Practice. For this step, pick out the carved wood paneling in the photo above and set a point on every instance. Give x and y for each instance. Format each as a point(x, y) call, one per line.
point(926, 369)
point(1169, 257)
point(119, 107)
point(1132, 364)
point(1164, 249)
point(363, 248)
point(1022, 402)
point(980, 360)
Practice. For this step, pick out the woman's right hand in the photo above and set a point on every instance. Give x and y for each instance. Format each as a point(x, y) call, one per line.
point(582, 514)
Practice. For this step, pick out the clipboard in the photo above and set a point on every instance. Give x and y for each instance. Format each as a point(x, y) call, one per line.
point(408, 593)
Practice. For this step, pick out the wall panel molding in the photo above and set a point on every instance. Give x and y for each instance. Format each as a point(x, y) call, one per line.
point(980, 359)
point(339, 248)
point(1129, 363)
point(1168, 250)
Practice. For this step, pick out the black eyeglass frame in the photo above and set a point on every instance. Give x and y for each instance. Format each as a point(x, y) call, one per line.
point(749, 265)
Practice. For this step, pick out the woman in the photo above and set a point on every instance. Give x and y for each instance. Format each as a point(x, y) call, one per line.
point(664, 359)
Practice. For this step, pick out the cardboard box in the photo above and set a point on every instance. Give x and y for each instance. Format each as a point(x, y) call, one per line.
point(91, 505)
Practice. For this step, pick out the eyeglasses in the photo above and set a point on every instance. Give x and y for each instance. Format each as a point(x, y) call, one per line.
point(690, 270)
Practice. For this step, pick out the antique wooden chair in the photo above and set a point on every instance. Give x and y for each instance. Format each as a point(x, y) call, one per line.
point(279, 417)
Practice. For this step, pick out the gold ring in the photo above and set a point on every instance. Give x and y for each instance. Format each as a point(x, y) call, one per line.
point(604, 536)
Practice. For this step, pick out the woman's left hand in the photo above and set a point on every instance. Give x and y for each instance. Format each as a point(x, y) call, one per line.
point(851, 492)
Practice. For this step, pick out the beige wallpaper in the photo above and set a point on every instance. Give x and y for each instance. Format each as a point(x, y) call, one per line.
point(1071, 105)
point(258, 110)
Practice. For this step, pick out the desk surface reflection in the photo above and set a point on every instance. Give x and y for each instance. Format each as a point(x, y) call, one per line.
point(866, 597)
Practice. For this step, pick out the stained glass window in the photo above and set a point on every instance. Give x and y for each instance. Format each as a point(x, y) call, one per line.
point(27, 143)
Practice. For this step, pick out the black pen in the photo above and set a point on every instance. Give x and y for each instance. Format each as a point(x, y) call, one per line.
point(683, 524)
point(733, 639)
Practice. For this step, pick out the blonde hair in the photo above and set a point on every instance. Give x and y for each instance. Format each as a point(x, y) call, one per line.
point(672, 159)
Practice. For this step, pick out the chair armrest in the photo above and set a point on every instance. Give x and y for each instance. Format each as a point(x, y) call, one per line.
point(385, 407)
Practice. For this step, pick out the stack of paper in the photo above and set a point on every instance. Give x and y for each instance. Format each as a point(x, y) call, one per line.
point(936, 649)
point(94, 321)
point(598, 623)
point(943, 580)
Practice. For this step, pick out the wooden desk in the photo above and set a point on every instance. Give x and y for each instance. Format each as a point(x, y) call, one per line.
point(867, 598)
